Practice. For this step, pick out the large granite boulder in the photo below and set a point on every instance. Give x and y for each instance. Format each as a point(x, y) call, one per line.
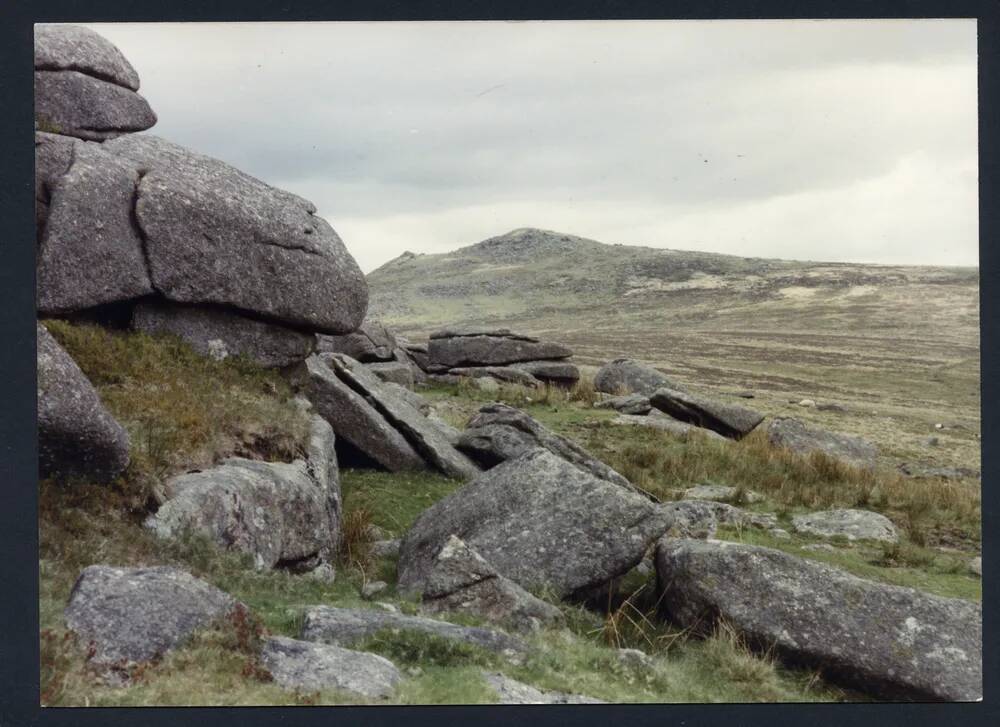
point(53, 156)
point(77, 436)
point(889, 641)
point(309, 667)
point(371, 342)
point(221, 333)
point(498, 433)
point(461, 580)
point(417, 352)
point(797, 437)
point(76, 104)
point(729, 420)
point(539, 521)
point(75, 48)
point(850, 524)
point(350, 626)
point(451, 349)
point(131, 615)
point(91, 251)
point(627, 376)
point(282, 514)
point(658, 420)
point(216, 235)
point(628, 404)
point(356, 420)
point(427, 439)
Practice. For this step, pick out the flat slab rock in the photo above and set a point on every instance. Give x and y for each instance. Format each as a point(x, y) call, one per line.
point(511, 691)
point(555, 372)
point(729, 420)
point(308, 666)
point(490, 350)
point(537, 520)
point(658, 420)
point(889, 641)
point(509, 374)
point(80, 105)
point(221, 333)
point(498, 433)
point(850, 524)
point(214, 234)
point(633, 404)
point(77, 436)
point(76, 48)
point(461, 580)
point(627, 376)
point(133, 615)
point(371, 342)
point(482, 331)
point(350, 626)
point(396, 372)
point(796, 436)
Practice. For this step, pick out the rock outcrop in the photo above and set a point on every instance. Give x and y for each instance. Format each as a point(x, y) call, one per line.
point(850, 524)
point(310, 667)
point(498, 433)
point(132, 615)
point(539, 521)
point(461, 580)
point(77, 436)
point(797, 437)
point(630, 404)
point(627, 376)
point(371, 342)
point(729, 420)
point(893, 642)
point(561, 373)
point(658, 420)
point(452, 349)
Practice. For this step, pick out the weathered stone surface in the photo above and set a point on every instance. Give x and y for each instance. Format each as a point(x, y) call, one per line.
point(426, 438)
point(348, 626)
point(396, 372)
point(554, 372)
point(310, 667)
point(371, 342)
point(453, 435)
point(53, 155)
point(385, 548)
point(280, 513)
point(353, 418)
point(701, 518)
point(132, 615)
point(893, 642)
point(498, 433)
point(461, 580)
point(76, 104)
point(633, 404)
point(537, 520)
point(627, 376)
point(91, 252)
point(658, 420)
point(418, 354)
point(221, 333)
point(481, 331)
point(801, 439)
point(721, 493)
point(409, 396)
point(403, 356)
point(490, 350)
point(77, 436)
point(509, 374)
point(850, 524)
point(216, 235)
point(75, 48)
point(511, 691)
point(728, 420)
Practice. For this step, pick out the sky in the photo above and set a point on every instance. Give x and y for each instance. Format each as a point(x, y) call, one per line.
point(810, 140)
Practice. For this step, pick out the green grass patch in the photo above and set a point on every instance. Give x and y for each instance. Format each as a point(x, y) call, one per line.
point(393, 499)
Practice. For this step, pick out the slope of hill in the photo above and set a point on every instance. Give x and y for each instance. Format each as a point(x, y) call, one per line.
point(898, 345)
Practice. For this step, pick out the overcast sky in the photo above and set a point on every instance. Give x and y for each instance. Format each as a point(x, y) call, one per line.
point(818, 140)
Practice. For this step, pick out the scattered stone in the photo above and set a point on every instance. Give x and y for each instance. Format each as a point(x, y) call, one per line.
point(932, 441)
point(976, 566)
point(76, 48)
point(540, 521)
point(324, 573)
point(633, 404)
point(701, 518)
point(658, 420)
point(851, 524)
point(627, 376)
point(79, 105)
point(889, 641)
point(354, 419)
point(801, 439)
point(370, 343)
point(461, 580)
point(77, 436)
point(939, 426)
point(511, 691)
point(220, 333)
point(310, 667)
point(494, 348)
point(498, 433)
point(561, 373)
point(728, 420)
point(372, 589)
point(745, 394)
point(807, 402)
point(508, 374)
point(722, 493)
point(348, 626)
point(133, 615)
